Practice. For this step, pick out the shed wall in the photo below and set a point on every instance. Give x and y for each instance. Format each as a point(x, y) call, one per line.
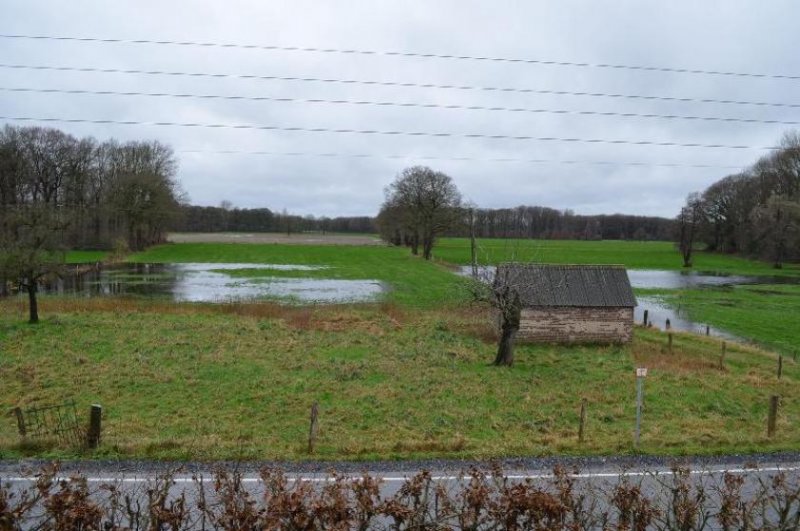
point(576, 325)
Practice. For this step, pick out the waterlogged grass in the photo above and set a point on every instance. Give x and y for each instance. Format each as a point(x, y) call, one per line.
point(632, 254)
point(237, 381)
point(767, 314)
point(414, 282)
point(83, 257)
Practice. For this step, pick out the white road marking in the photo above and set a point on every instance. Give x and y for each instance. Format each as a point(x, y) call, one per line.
point(397, 479)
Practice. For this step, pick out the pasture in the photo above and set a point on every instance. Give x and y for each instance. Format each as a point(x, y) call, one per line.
point(407, 377)
point(632, 254)
point(190, 381)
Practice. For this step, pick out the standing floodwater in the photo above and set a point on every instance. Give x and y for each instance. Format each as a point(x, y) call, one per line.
point(210, 282)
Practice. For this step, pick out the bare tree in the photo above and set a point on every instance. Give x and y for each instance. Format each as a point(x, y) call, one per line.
point(506, 299)
point(777, 224)
point(428, 204)
point(499, 288)
point(689, 221)
point(30, 248)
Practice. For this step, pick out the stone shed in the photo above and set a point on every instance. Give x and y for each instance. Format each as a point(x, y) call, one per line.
point(571, 303)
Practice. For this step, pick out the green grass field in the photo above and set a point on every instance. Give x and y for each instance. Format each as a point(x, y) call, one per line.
point(83, 257)
point(414, 282)
point(766, 314)
point(632, 254)
point(209, 382)
point(408, 377)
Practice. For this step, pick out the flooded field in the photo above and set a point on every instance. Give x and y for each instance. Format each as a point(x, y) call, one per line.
point(211, 282)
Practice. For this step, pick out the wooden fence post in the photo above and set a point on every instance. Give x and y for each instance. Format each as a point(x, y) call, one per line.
point(708, 330)
point(20, 421)
point(773, 415)
point(644, 321)
point(95, 420)
point(780, 366)
point(669, 325)
point(582, 427)
point(314, 429)
point(722, 357)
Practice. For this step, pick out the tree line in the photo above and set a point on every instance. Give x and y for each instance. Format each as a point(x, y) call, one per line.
point(753, 213)
point(226, 218)
point(422, 205)
point(536, 222)
point(60, 192)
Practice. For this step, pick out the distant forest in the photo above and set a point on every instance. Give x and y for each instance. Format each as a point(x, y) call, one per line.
point(518, 222)
point(228, 219)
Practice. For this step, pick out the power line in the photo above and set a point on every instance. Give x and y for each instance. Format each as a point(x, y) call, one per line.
point(454, 159)
point(380, 132)
point(399, 104)
point(390, 53)
point(401, 84)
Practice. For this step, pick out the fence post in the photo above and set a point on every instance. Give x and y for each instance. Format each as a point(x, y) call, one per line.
point(780, 366)
point(722, 356)
point(773, 415)
point(669, 324)
point(708, 330)
point(20, 421)
point(644, 321)
point(314, 429)
point(95, 419)
point(582, 427)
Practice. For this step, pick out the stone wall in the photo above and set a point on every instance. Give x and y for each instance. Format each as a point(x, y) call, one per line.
point(576, 325)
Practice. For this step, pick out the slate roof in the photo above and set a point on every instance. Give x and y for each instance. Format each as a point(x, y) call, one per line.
point(568, 285)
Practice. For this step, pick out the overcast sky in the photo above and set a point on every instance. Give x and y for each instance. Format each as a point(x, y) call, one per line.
point(729, 35)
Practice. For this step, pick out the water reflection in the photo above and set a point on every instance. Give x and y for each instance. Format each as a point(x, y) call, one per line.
point(208, 282)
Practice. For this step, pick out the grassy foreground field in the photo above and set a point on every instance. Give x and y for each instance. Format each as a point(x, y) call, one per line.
point(237, 381)
point(405, 378)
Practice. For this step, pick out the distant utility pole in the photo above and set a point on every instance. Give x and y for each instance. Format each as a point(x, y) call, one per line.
point(472, 247)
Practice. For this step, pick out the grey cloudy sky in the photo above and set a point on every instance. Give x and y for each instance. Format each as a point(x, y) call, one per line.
point(730, 35)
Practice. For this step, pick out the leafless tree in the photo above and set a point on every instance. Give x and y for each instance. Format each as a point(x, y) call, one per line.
point(425, 204)
point(506, 299)
point(689, 221)
point(777, 224)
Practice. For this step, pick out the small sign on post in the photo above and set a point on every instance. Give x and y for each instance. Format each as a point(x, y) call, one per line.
point(641, 374)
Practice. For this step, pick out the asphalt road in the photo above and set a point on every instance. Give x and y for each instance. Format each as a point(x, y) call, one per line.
point(651, 474)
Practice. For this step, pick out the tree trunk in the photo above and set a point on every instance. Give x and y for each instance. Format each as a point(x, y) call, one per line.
point(415, 244)
point(505, 349)
point(511, 313)
point(33, 303)
point(427, 248)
